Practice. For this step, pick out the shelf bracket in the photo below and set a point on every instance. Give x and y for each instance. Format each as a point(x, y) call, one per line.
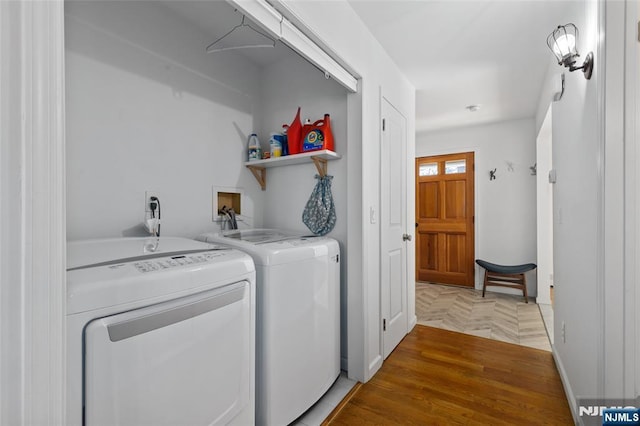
point(321, 165)
point(260, 173)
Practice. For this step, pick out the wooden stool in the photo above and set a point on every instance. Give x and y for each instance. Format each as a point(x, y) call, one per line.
point(506, 276)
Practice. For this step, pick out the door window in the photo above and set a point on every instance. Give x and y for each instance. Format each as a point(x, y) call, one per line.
point(455, 166)
point(428, 169)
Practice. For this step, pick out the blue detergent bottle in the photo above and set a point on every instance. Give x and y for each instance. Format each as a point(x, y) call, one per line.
point(285, 142)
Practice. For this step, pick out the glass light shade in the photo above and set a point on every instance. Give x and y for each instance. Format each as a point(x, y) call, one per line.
point(562, 43)
point(565, 45)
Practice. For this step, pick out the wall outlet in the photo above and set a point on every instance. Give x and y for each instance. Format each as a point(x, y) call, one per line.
point(147, 200)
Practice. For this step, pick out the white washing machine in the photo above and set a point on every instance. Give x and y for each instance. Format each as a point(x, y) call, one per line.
point(298, 318)
point(160, 332)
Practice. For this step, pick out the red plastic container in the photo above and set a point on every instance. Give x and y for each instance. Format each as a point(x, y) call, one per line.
point(294, 135)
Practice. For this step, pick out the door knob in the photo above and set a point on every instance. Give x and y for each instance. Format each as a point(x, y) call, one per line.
point(406, 237)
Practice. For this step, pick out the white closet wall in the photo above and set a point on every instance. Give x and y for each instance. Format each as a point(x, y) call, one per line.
point(285, 85)
point(148, 109)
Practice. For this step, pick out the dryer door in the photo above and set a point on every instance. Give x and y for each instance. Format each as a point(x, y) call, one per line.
point(186, 361)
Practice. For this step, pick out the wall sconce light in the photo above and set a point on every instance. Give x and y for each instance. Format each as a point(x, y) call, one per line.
point(562, 43)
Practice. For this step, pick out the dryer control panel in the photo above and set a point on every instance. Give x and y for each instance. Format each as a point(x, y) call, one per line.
point(175, 261)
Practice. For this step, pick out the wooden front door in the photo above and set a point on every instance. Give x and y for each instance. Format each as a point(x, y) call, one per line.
point(444, 215)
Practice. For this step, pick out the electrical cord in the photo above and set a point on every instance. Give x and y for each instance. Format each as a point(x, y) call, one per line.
point(155, 203)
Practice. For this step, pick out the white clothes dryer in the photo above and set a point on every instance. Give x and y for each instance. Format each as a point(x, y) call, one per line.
point(298, 318)
point(160, 332)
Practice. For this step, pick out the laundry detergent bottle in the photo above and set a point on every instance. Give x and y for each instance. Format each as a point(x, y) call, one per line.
point(328, 133)
point(253, 148)
point(317, 135)
point(285, 139)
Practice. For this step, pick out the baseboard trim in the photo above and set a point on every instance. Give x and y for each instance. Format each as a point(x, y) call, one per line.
point(412, 323)
point(565, 384)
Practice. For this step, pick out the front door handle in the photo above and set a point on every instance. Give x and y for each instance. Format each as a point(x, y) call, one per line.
point(406, 237)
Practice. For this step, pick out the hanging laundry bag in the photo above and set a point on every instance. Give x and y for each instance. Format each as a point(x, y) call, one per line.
point(320, 214)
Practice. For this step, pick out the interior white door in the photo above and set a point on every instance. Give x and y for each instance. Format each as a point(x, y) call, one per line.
point(393, 224)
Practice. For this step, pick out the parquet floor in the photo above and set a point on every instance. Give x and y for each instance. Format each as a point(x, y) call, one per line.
point(496, 316)
point(439, 377)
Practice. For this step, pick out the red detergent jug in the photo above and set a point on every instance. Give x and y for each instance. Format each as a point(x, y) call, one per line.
point(294, 135)
point(317, 135)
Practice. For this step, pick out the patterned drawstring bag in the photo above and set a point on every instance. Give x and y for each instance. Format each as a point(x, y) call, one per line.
point(320, 214)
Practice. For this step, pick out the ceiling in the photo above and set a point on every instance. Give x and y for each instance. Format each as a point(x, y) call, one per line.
point(455, 52)
point(468, 52)
point(215, 19)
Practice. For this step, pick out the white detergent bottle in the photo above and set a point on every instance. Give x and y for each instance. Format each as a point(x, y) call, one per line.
point(253, 148)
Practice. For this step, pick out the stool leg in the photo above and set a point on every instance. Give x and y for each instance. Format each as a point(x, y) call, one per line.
point(484, 285)
point(524, 289)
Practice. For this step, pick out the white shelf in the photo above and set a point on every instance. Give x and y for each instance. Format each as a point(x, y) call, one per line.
point(288, 160)
point(319, 158)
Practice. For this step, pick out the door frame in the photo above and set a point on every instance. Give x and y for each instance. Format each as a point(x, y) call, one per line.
point(477, 284)
point(32, 213)
point(544, 207)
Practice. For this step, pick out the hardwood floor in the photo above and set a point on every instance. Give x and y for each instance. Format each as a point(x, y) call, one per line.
point(437, 376)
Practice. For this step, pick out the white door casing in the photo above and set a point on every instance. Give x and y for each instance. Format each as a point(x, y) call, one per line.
point(544, 206)
point(32, 213)
point(393, 226)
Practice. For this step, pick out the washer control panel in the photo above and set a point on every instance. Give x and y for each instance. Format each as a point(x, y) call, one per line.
point(175, 261)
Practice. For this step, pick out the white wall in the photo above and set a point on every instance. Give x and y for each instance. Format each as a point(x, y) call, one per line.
point(148, 109)
point(505, 216)
point(337, 25)
point(285, 85)
point(576, 225)
point(632, 164)
point(587, 207)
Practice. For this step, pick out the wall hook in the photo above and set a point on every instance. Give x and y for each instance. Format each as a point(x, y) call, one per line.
point(492, 174)
point(534, 169)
